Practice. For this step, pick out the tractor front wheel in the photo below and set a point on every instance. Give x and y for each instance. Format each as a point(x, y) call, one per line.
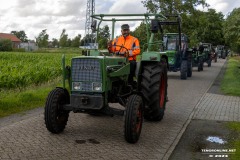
point(154, 90)
point(55, 117)
point(133, 118)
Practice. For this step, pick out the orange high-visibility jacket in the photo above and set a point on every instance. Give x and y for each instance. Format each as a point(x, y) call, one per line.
point(130, 42)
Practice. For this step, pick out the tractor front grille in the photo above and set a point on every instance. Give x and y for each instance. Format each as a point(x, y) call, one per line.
point(86, 71)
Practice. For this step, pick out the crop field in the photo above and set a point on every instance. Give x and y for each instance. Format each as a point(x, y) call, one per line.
point(19, 70)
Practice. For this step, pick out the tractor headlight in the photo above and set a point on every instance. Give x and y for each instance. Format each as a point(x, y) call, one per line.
point(76, 85)
point(97, 86)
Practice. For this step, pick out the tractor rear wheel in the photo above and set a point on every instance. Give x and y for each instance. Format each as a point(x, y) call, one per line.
point(189, 69)
point(154, 90)
point(55, 117)
point(209, 62)
point(184, 69)
point(133, 118)
point(201, 64)
point(223, 55)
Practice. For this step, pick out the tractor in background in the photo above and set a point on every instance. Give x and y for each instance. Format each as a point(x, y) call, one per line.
point(197, 59)
point(220, 51)
point(179, 55)
point(207, 53)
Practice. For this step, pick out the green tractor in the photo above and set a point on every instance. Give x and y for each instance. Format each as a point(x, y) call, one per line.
point(179, 55)
point(207, 53)
point(197, 60)
point(99, 78)
point(176, 48)
point(220, 51)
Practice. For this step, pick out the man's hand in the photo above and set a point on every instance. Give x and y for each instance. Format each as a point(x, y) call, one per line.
point(125, 54)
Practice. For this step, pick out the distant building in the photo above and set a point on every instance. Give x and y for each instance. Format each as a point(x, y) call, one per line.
point(29, 46)
point(15, 41)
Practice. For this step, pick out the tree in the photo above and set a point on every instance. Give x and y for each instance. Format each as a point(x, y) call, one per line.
point(232, 30)
point(208, 27)
point(42, 39)
point(69, 42)
point(103, 37)
point(76, 41)
point(6, 45)
point(21, 35)
point(63, 41)
point(55, 42)
point(173, 6)
point(140, 33)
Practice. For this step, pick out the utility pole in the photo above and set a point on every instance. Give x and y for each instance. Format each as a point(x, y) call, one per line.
point(90, 11)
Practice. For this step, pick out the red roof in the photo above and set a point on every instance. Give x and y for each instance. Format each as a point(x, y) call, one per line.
point(12, 37)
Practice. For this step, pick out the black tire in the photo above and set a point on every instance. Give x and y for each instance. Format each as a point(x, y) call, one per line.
point(183, 71)
point(223, 55)
point(215, 59)
point(209, 62)
point(154, 90)
point(201, 64)
point(189, 69)
point(55, 117)
point(133, 118)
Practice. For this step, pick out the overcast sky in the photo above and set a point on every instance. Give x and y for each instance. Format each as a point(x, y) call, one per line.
point(33, 16)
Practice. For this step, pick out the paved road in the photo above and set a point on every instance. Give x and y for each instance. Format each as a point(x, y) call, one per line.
point(89, 137)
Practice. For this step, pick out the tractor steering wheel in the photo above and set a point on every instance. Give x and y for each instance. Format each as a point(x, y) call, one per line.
point(117, 52)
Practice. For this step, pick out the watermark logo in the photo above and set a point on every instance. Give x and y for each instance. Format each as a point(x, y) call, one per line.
point(218, 153)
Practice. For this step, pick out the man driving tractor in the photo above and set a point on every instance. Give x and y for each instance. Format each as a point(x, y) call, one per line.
point(126, 45)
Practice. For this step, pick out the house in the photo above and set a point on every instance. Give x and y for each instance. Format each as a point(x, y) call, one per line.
point(16, 41)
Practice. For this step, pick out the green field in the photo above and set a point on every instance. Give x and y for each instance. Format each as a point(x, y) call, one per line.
point(19, 70)
point(27, 78)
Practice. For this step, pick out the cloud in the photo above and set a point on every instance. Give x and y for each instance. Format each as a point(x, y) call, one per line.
point(55, 15)
point(127, 6)
point(43, 14)
point(224, 6)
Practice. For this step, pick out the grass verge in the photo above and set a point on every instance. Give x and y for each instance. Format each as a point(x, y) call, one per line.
point(230, 84)
point(235, 144)
point(15, 101)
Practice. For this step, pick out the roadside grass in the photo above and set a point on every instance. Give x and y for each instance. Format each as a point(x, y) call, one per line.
point(230, 84)
point(235, 144)
point(15, 101)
